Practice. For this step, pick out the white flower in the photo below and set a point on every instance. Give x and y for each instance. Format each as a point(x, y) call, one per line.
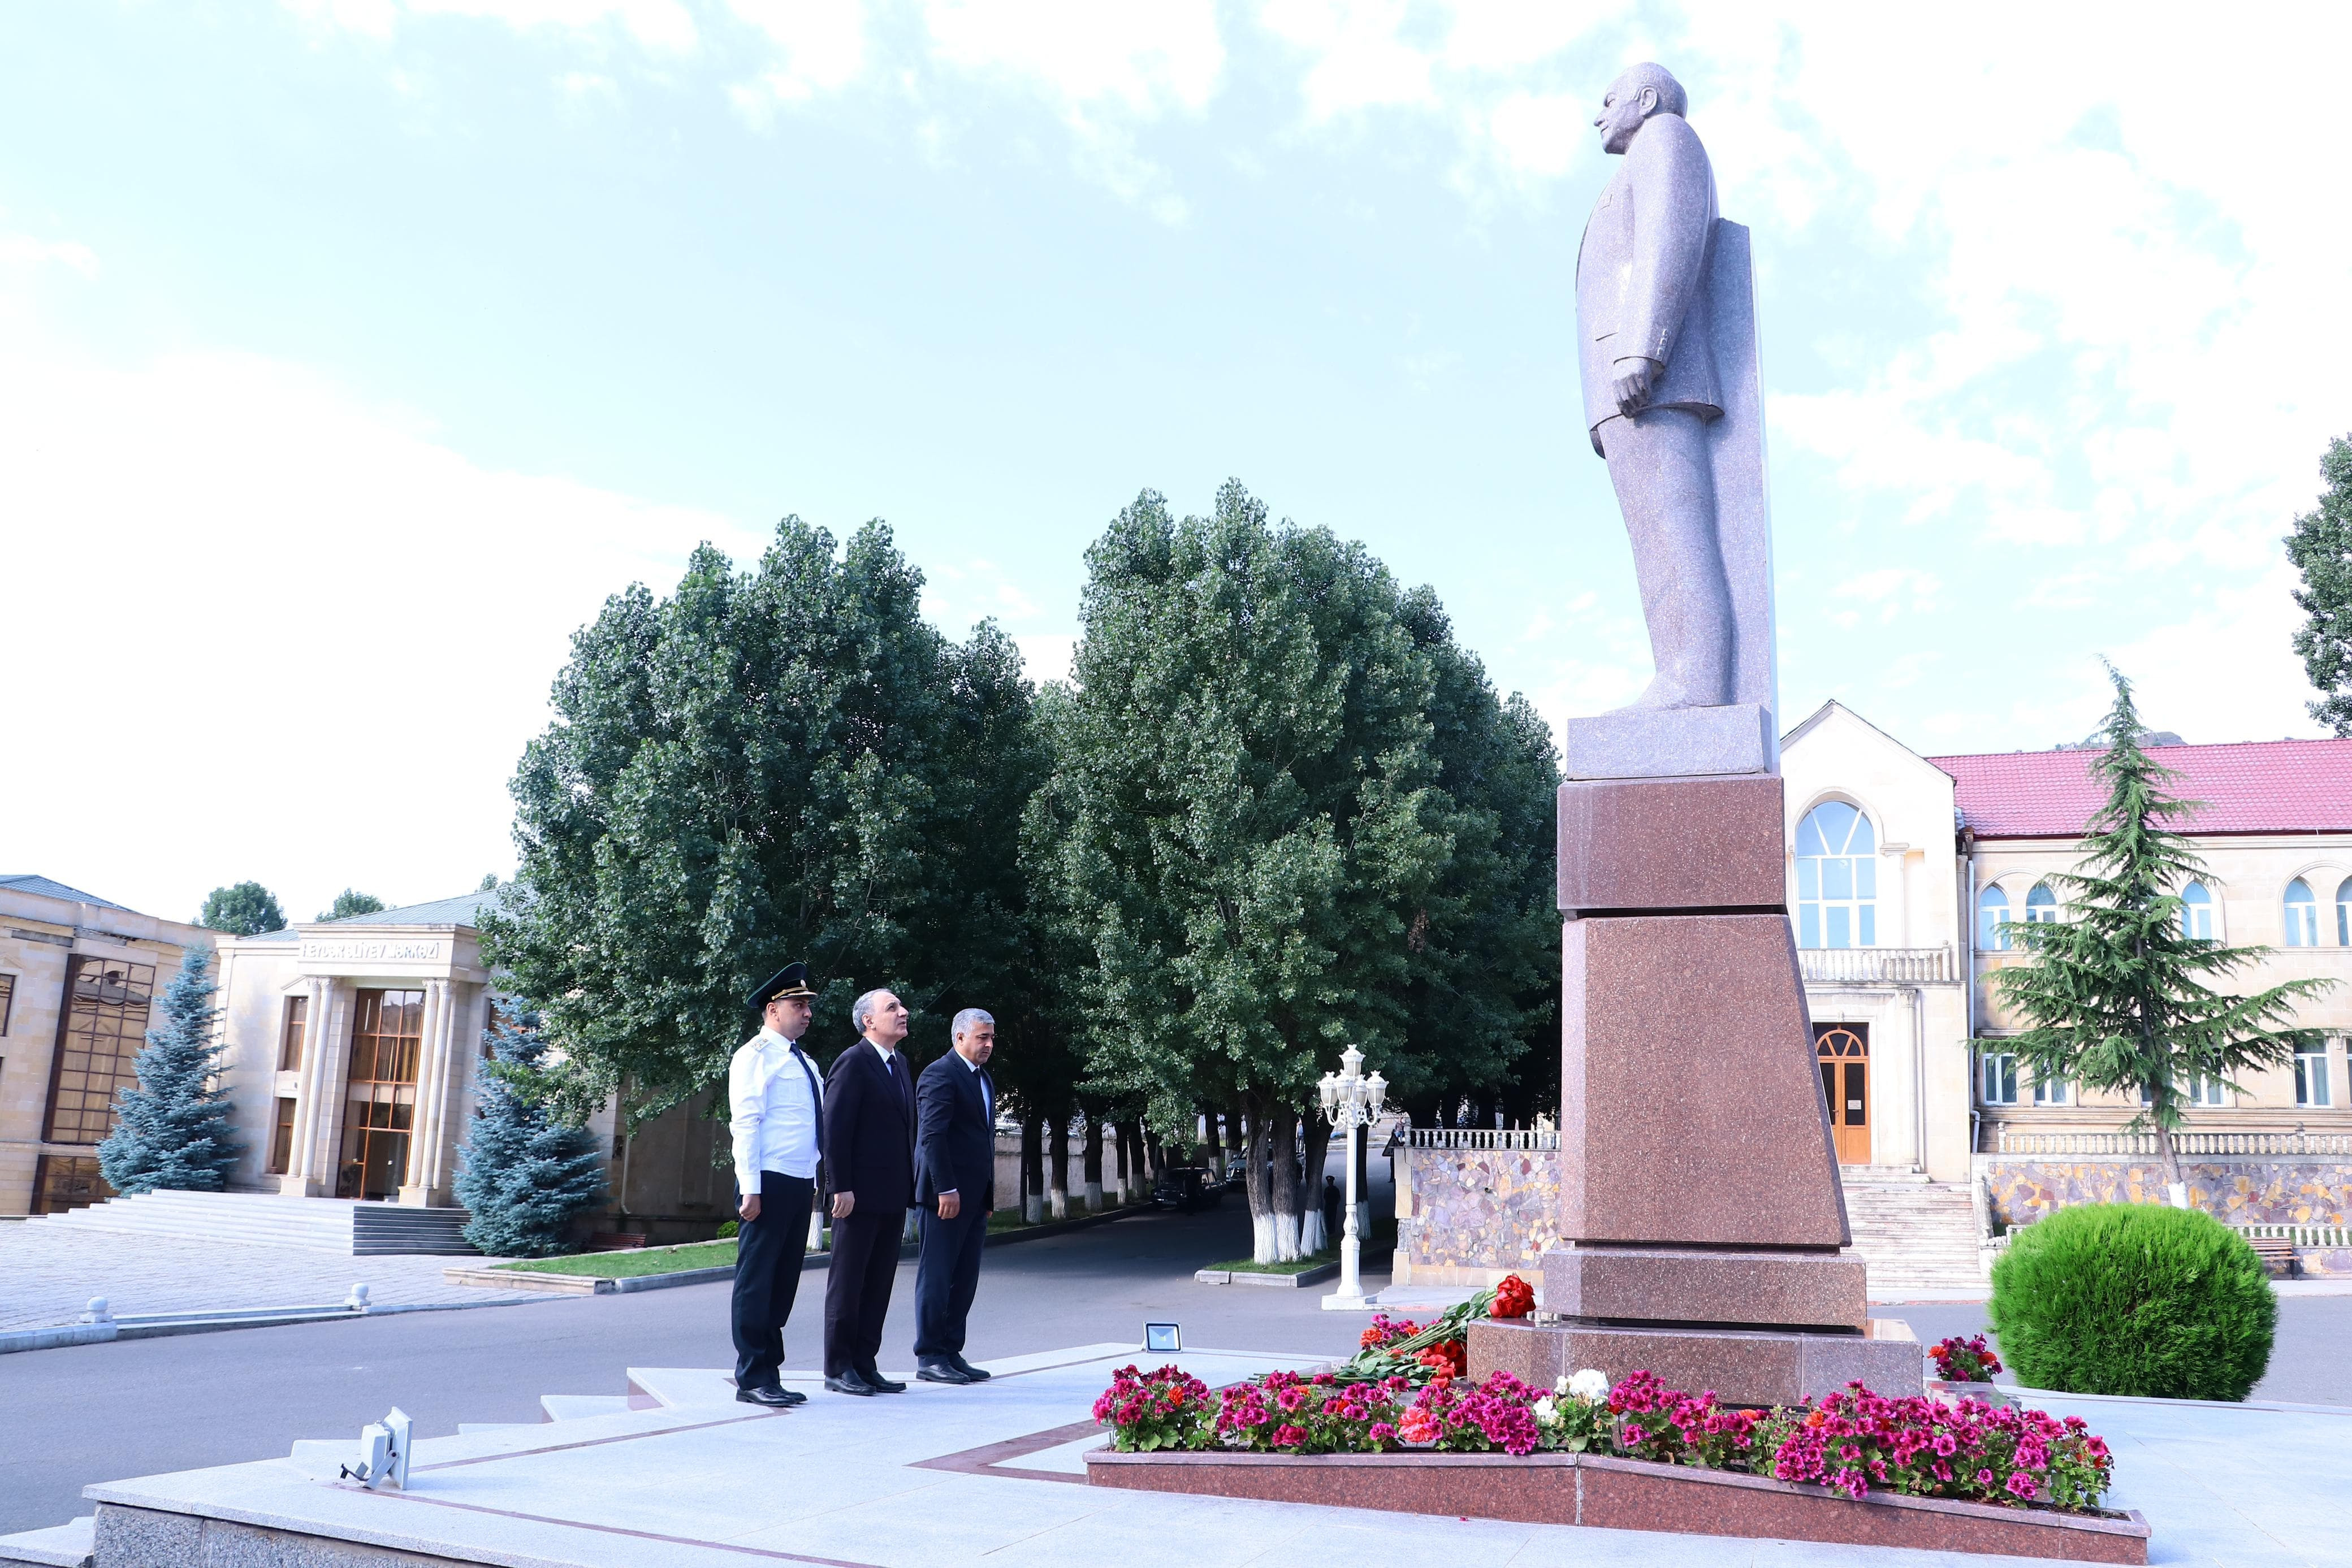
point(1545, 1410)
point(1590, 1386)
point(1561, 1387)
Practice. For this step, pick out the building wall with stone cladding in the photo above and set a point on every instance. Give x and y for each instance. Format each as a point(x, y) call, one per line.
point(2236, 1190)
point(1468, 1216)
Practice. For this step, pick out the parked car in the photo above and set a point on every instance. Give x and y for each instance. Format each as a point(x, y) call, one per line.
point(1237, 1171)
point(1185, 1188)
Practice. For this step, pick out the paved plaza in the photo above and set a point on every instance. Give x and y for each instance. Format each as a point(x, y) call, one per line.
point(50, 1273)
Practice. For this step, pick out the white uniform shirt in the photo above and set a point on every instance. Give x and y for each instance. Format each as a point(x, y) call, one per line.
point(771, 1111)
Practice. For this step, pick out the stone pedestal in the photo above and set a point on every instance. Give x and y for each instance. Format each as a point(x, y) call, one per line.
point(1702, 1217)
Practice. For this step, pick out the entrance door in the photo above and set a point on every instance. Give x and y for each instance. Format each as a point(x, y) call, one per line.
point(387, 1031)
point(1844, 1053)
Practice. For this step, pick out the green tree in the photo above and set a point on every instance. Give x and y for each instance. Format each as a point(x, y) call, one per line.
point(2321, 548)
point(248, 909)
point(523, 1172)
point(1250, 828)
point(2115, 995)
point(174, 1129)
point(776, 764)
point(351, 902)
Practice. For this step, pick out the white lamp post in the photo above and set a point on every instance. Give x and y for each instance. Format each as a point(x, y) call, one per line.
point(1351, 1102)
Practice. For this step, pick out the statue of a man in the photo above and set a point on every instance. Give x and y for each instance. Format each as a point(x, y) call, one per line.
point(1650, 388)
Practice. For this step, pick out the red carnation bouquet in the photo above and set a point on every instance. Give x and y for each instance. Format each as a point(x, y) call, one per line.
point(1514, 1298)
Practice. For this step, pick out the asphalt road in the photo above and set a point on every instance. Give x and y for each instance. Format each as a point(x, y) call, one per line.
point(104, 1412)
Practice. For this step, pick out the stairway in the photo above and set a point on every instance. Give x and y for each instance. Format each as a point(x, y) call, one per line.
point(1915, 1235)
point(342, 1226)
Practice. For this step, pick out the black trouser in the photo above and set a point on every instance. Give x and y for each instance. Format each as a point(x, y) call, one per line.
point(946, 1275)
point(769, 1252)
point(858, 1287)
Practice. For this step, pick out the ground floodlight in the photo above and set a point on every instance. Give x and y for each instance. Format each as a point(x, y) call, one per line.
point(1162, 1336)
point(398, 1425)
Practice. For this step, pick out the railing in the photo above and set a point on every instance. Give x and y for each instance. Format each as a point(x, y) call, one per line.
point(2321, 1236)
point(1479, 1138)
point(2023, 1142)
point(1878, 966)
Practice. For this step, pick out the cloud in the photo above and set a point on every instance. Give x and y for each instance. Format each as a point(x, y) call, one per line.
point(664, 25)
point(281, 618)
point(819, 47)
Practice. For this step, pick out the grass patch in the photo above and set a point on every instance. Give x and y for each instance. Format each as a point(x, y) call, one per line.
point(634, 1263)
point(1296, 1266)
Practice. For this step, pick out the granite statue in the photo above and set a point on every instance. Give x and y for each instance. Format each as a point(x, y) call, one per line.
point(1672, 403)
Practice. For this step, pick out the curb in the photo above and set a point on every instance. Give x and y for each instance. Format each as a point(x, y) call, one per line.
point(63, 1334)
point(1263, 1279)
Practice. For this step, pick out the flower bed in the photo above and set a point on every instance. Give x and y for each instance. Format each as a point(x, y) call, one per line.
point(1854, 1443)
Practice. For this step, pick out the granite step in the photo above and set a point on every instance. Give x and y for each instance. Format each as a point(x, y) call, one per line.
point(67, 1545)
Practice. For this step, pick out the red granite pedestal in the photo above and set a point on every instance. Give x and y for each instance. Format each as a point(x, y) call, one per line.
point(1702, 1216)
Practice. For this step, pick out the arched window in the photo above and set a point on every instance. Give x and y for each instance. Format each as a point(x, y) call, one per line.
point(2197, 910)
point(1837, 878)
point(2040, 905)
point(1993, 909)
point(2344, 913)
point(2301, 916)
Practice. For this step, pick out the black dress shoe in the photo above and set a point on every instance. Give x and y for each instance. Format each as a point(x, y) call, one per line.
point(773, 1399)
point(879, 1384)
point(939, 1373)
point(850, 1383)
point(793, 1395)
point(971, 1373)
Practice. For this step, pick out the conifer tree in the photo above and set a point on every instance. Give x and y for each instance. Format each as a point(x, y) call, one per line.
point(522, 1172)
point(2321, 548)
point(174, 1129)
point(2115, 994)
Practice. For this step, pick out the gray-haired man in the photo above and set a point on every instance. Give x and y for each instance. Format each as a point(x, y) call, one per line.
point(955, 1183)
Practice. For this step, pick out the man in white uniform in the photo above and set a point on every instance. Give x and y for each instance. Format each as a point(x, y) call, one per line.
point(774, 1109)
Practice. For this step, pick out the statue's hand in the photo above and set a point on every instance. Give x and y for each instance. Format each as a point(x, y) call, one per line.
point(1631, 380)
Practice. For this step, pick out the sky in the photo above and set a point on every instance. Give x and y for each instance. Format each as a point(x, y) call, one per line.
point(352, 352)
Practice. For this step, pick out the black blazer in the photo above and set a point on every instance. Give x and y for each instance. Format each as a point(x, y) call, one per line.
point(869, 1130)
point(955, 1146)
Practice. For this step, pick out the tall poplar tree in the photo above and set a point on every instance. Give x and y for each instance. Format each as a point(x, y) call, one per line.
point(779, 764)
point(2115, 994)
point(1251, 831)
point(2321, 548)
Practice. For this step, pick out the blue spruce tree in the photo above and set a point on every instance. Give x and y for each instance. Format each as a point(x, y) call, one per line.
point(521, 1172)
point(173, 1130)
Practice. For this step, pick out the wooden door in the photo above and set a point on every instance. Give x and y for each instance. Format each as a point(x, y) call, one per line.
point(1843, 1050)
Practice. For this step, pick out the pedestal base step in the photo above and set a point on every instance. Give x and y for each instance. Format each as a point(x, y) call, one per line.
point(1782, 1290)
point(1743, 1366)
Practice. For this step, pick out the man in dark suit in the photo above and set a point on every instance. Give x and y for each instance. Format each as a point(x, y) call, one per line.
point(955, 1151)
point(870, 1165)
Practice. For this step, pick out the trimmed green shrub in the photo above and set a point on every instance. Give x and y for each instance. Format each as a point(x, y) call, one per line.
point(2133, 1298)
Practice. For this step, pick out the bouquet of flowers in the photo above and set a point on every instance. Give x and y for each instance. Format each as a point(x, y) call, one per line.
point(1961, 1360)
point(1514, 1298)
point(1391, 1348)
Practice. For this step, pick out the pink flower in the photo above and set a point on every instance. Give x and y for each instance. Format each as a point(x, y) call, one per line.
point(1289, 1437)
point(2022, 1485)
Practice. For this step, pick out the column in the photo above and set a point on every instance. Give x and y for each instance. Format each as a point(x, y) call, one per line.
point(431, 1068)
point(327, 1093)
point(457, 1065)
point(299, 1180)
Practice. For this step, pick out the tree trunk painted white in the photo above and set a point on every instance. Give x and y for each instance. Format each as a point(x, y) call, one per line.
point(1312, 1237)
point(1094, 1197)
point(1057, 1203)
point(1262, 1238)
point(1033, 1209)
point(1285, 1238)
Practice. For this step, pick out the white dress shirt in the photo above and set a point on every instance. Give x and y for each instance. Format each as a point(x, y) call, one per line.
point(772, 1111)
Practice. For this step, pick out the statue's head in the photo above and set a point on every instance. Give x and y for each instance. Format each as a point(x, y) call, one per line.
point(1639, 92)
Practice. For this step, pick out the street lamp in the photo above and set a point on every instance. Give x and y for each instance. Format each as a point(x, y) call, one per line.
point(1351, 1102)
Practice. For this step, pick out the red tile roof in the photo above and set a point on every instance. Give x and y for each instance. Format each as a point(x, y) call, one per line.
point(2261, 786)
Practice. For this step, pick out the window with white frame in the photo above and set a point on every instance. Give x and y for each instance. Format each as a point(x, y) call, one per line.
point(1992, 911)
point(2197, 912)
point(1998, 1081)
point(2050, 1091)
point(1837, 878)
point(2301, 916)
point(2344, 913)
point(2204, 1090)
point(2311, 1076)
point(2040, 905)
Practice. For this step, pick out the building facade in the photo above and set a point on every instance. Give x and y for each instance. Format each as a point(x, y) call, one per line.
point(1902, 870)
point(78, 976)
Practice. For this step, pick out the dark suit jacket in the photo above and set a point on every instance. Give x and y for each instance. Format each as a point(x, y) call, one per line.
point(955, 1147)
point(869, 1130)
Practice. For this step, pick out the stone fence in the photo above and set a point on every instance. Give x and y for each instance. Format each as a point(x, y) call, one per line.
point(2307, 1201)
point(1474, 1204)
